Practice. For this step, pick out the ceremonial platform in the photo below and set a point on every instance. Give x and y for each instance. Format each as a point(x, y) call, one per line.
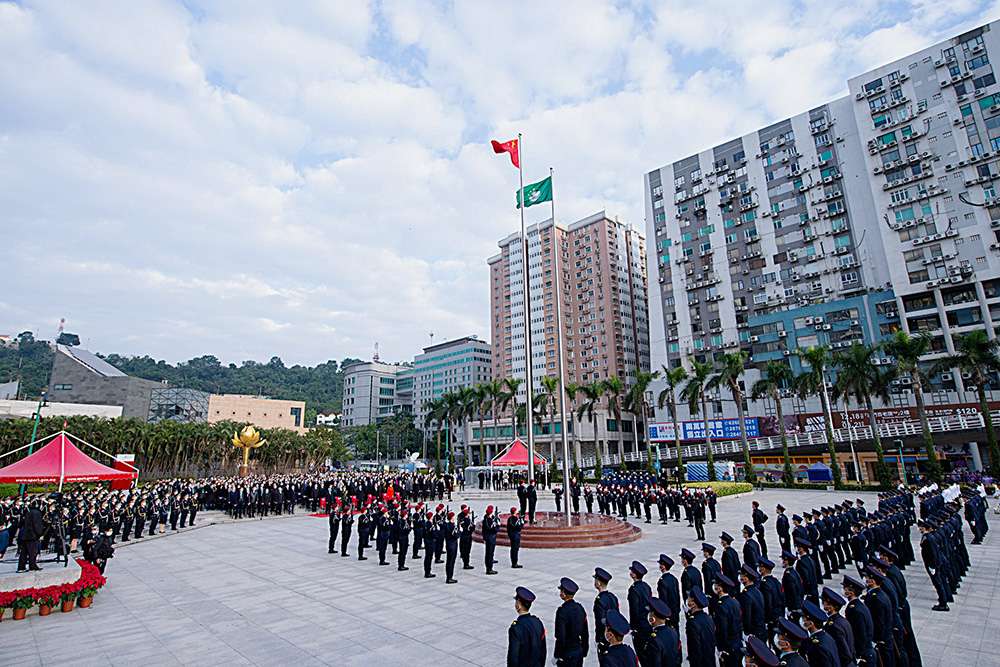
point(52, 574)
point(554, 530)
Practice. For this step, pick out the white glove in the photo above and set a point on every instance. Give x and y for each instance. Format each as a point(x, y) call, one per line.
point(555, 661)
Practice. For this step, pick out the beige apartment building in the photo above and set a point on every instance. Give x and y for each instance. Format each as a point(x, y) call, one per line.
point(605, 312)
point(260, 411)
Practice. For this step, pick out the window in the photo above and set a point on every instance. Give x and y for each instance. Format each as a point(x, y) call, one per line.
point(62, 387)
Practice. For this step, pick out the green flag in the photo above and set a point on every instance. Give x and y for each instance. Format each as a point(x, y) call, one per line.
point(535, 193)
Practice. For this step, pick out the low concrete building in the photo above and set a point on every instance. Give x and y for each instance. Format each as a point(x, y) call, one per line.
point(79, 376)
point(261, 411)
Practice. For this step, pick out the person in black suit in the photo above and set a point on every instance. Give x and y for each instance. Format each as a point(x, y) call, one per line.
point(860, 618)
point(532, 495)
point(32, 529)
point(514, 526)
point(572, 641)
point(759, 519)
point(639, 595)
point(603, 603)
point(791, 582)
point(690, 577)
point(526, 636)
point(491, 526)
point(837, 626)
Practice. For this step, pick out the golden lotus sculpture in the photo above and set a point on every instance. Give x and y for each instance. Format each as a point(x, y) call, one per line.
point(247, 438)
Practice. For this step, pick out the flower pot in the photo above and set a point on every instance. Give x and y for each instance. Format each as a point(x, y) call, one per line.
point(68, 605)
point(44, 610)
point(85, 602)
point(19, 614)
point(2, 611)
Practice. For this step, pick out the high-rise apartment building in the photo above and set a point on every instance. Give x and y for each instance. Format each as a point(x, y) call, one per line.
point(373, 391)
point(604, 301)
point(447, 367)
point(877, 209)
point(605, 316)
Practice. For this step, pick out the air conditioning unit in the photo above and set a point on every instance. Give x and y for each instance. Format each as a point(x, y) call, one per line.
point(809, 320)
point(787, 353)
point(855, 323)
point(946, 377)
point(754, 339)
point(782, 334)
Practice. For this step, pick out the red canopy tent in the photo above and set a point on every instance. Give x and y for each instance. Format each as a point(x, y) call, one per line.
point(516, 454)
point(60, 461)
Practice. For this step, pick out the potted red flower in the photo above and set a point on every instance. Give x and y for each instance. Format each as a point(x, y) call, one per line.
point(24, 601)
point(47, 597)
point(68, 594)
point(6, 600)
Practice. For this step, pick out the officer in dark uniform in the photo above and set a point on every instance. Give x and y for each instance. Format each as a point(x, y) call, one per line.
point(334, 519)
point(572, 640)
point(450, 536)
point(751, 602)
point(663, 646)
point(781, 525)
point(808, 570)
point(514, 526)
point(837, 626)
point(820, 648)
point(404, 525)
point(382, 541)
point(418, 529)
point(603, 603)
point(770, 590)
point(532, 495)
point(759, 519)
point(364, 530)
point(526, 636)
point(751, 550)
point(690, 577)
point(639, 595)
point(788, 640)
point(346, 522)
point(728, 626)
point(882, 614)
point(466, 527)
point(929, 553)
point(700, 631)
point(491, 526)
point(730, 559)
point(618, 654)
point(760, 654)
point(667, 589)
point(709, 567)
point(860, 618)
point(791, 582)
point(431, 536)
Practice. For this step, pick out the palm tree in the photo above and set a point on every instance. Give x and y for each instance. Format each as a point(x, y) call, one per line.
point(812, 382)
point(907, 351)
point(668, 397)
point(495, 392)
point(551, 395)
point(976, 357)
point(482, 399)
point(454, 414)
point(732, 370)
point(437, 411)
point(511, 386)
point(636, 403)
point(468, 403)
point(777, 377)
point(614, 389)
point(858, 376)
point(592, 395)
point(694, 394)
point(572, 389)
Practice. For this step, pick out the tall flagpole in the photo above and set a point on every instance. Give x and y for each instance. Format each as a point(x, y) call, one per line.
point(528, 412)
point(560, 341)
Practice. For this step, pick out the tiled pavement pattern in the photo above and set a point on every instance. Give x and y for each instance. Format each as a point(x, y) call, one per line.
point(266, 593)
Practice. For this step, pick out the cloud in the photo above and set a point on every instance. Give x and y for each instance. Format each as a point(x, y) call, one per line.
point(304, 179)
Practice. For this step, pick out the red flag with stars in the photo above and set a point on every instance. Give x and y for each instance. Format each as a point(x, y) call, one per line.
point(508, 147)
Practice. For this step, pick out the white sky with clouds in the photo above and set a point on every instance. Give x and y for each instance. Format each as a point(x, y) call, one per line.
point(301, 179)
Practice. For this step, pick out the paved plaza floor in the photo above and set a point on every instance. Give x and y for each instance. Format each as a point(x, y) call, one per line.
point(265, 592)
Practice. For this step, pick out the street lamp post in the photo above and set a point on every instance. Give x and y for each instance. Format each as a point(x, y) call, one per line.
point(34, 433)
point(902, 465)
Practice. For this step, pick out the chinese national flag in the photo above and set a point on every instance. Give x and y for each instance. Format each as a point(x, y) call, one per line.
point(508, 147)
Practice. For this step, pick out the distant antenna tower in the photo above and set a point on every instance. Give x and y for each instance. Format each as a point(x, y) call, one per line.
point(375, 358)
point(62, 325)
point(431, 334)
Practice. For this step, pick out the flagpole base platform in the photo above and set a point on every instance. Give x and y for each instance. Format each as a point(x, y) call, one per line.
point(554, 530)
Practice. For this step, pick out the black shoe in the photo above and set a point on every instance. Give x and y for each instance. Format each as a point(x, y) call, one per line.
point(492, 572)
point(344, 555)
point(439, 562)
point(468, 567)
point(332, 551)
point(362, 557)
point(383, 563)
point(20, 571)
point(516, 567)
point(452, 581)
point(940, 607)
point(402, 568)
point(34, 569)
point(429, 576)
point(712, 521)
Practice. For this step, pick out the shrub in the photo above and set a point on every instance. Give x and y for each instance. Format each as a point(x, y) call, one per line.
point(722, 488)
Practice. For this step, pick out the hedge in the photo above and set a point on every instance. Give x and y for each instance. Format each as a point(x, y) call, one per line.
point(722, 488)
